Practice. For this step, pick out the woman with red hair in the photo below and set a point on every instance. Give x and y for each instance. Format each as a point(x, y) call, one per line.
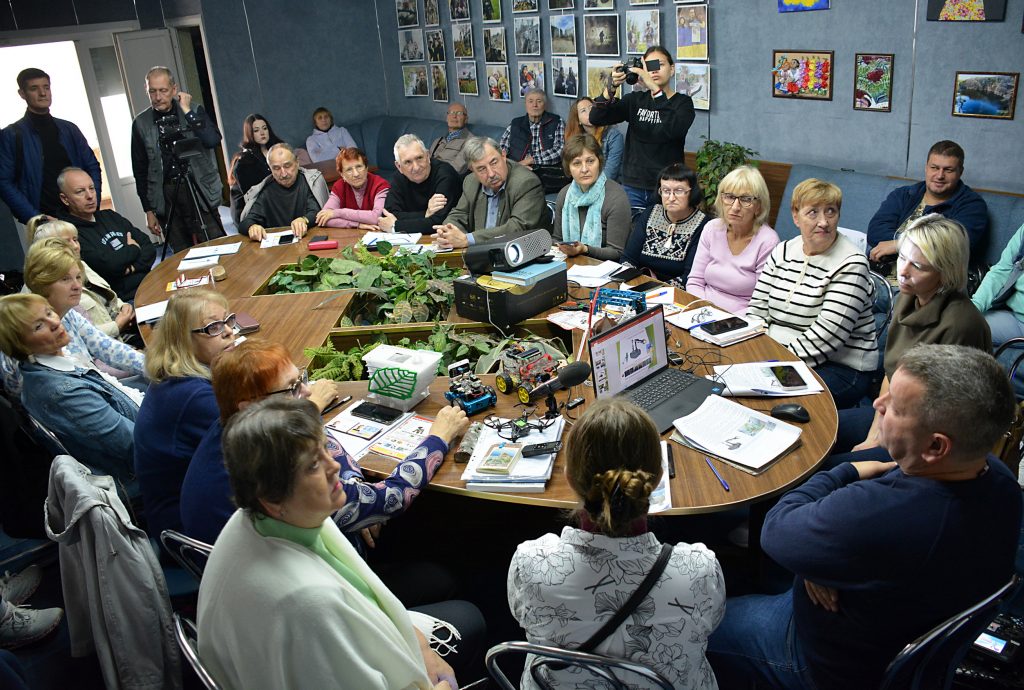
point(357, 199)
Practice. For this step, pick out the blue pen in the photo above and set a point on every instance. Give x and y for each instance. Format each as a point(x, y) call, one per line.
point(725, 485)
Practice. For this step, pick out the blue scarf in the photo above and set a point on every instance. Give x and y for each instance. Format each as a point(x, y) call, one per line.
point(593, 201)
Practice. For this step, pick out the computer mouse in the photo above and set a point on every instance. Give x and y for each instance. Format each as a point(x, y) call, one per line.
point(791, 412)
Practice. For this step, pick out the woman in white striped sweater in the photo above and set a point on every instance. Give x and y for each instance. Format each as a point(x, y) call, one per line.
point(815, 296)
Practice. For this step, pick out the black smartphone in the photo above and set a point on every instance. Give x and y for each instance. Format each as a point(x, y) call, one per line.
point(646, 286)
point(318, 238)
point(788, 377)
point(724, 326)
point(286, 239)
point(377, 413)
point(541, 448)
point(628, 273)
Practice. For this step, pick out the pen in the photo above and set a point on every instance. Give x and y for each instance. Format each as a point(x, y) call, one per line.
point(721, 481)
point(671, 461)
point(336, 404)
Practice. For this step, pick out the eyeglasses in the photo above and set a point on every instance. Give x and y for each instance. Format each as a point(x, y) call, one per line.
point(296, 386)
point(215, 328)
point(354, 169)
point(745, 201)
point(665, 191)
point(457, 112)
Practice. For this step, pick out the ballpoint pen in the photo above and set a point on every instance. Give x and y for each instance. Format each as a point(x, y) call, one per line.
point(336, 404)
point(671, 461)
point(725, 485)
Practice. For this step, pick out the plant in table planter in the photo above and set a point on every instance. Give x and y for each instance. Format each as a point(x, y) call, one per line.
point(337, 364)
point(715, 160)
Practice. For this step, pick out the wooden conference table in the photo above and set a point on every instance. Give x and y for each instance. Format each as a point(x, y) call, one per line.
point(294, 321)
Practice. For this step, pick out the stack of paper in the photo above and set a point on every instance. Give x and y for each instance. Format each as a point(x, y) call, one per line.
point(593, 276)
point(529, 475)
point(214, 250)
point(356, 434)
point(756, 379)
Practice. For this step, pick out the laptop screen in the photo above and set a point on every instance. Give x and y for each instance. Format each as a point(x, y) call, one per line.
point(629, 353)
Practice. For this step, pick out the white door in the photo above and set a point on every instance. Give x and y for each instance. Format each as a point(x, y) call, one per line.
point(137, 52)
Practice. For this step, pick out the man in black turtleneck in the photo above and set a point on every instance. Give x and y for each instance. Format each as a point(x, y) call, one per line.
point(36, 148)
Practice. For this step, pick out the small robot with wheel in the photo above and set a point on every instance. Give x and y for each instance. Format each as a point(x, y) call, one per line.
point(467, 391)
point(524, 367)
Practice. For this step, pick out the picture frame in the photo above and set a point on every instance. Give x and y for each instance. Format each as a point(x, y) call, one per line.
point(439, 83)
point(525, 6)
point(605, 5)
point(495, 49)
point(458, 10)
point(465, 73)
point(966, 10)
point(601, 35)
point(803, 5)
point(527, 35)
point(598, 71)
point(640, 3)
point(872, 82)
point(561, 5)
point(689, 2)
point(694, 80)
point(643, 29)
point(563, 35)
point(498, 88)
point(410, 45)
point(408, 13)
point(435, 45)
point(490, 10)
point(431, 13)
point(414, 80)
point(802, 74)
point(565, 78)
point(692, 32)
point(530, 75)
point(462, 40)
point(991, 95)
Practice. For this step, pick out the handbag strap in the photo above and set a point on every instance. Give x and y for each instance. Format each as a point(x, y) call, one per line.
point(634, 600)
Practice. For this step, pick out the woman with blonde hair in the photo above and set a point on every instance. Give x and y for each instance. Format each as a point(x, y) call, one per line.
point(613, 463)
point(609, 137)
point(733, 248)
point(180, 405)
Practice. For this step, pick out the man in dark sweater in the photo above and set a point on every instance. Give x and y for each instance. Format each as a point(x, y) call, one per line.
point(424, 192)
point(36, 148)
point(658, 122)
point(111, 245)
point(883, 552)
point(283, 199)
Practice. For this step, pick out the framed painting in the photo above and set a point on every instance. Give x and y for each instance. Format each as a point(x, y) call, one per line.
point(407, 15)
point(531, 75)
point(563, 34)
point(561, 4)
point(966, 10)
point(525, 6)
point(598, 74)
point(439, 83)
point(598, 4)
point(462, 40)
point(803, 5)
point(466, 73)
point(435, 45)
point(638, 3)
point(494, 44)
point(565, 73)
point(872, 82)
point(985, 94)
point(692, 32)
point(527, 35)
point(411, 42)
point(458, 9)
point(802, 74)
point(498, 88)
point(694, 80)
point(601, 34)
point(643, 29)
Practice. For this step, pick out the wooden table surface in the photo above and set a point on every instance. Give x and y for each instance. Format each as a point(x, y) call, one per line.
point(294, 321)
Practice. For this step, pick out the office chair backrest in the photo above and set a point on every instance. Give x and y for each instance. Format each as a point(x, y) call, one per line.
point(186, 634)
point(598, 665)
point(190, 553)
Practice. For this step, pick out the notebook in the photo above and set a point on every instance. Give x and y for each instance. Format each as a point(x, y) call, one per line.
point(632, 360)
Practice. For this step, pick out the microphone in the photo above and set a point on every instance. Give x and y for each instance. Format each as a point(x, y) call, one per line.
point(568, 376)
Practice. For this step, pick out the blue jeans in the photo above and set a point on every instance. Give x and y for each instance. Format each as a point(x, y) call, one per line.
point(756, 645)
point(1004, 326)
point(641, 197)
point(846, 385)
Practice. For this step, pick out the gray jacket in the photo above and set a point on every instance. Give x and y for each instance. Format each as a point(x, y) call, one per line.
point(314, 178)
point(114, 590)
point(522, 206)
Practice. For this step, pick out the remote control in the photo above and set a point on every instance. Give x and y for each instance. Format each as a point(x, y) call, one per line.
point(541, 448)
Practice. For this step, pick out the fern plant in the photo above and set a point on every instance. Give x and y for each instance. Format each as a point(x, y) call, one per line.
point(715, 160)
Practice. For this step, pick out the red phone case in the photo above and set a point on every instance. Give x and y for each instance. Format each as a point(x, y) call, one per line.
point(325, 244)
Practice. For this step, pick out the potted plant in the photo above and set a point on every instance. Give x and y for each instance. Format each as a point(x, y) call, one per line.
point(715, 160)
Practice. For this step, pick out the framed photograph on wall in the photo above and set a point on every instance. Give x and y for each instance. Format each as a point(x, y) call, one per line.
point(525, 6)
point(692, 32)
point(598, 72)
point(966, 10)
point(497, 83)
point(563, 34)
point(802, 74)
point(531, 76)
point(527, 35)
point(414, 79)
point(802, 5)
point(561, 4)
point(439, 83)
point(599, 4)
point(435, 45)
point(872, 82)
point(458, 9)
point(986, 94)
point(494, 44)
point(643, 29)
point(407, 15)
point(565, 73)
point(462, 40)
point(601, 34)
point(466, 75)
point(490, 10)
point(431, 13)
point(694, 80)
point(410, 41)
point(637, 3)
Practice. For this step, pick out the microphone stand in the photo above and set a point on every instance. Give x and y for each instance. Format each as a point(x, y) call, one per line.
point(552, 406)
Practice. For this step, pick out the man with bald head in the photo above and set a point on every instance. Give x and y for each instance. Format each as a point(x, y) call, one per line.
point(424, 191)
point(449, 147)
point(289, 197)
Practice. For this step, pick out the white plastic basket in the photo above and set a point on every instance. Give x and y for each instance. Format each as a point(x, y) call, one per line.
point(400, 377)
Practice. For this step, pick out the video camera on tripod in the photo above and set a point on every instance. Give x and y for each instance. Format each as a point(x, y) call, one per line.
point(174, 140)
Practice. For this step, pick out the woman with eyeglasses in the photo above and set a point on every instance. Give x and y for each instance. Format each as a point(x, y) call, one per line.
point(179, 405)
point(815, 296)
point(734, 246)
point(357, 199)
point(665, 235)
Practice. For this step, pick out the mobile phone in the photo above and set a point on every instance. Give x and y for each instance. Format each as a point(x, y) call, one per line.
point(318, 238)
point(286, 239)
point(788, 377)
point(628, 273)
point(376, 413)
point(724, 326)
point(646, 286)
point(541, 448)
point(653, 65)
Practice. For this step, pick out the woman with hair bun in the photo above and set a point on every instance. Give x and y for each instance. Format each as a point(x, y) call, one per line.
point(563, 588)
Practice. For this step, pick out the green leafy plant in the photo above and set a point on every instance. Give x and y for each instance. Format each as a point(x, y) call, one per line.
point(337, 364)
point(715, 160)
point(390, 285)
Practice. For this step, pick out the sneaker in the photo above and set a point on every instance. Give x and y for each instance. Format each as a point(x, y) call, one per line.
point(16, 589)
point(25, 625)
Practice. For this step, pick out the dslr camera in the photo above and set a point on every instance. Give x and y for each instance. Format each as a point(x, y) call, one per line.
point(631, 77)
point(170, 130)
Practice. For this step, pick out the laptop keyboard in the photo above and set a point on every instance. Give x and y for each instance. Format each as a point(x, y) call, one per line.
point(662, 387)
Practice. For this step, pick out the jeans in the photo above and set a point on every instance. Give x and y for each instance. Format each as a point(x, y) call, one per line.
point(854, 424)
point(1004, 326)
point(847, 385)
point(640, 197)
point(756, 646)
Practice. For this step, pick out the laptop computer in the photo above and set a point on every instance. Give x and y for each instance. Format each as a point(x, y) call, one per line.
point(631, 360)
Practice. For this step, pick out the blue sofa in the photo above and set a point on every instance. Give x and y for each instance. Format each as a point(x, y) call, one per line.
point(863, 193)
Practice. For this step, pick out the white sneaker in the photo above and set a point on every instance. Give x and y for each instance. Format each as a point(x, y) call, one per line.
point(25, 625)
point(16, 589)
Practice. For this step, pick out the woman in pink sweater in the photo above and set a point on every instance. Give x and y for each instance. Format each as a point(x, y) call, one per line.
point(357, 199)
point(734, 246)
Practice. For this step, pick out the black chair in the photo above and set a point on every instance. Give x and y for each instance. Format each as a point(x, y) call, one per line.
point(930, 661)
point(186, 635)
point(598, 665)
point(190, 553)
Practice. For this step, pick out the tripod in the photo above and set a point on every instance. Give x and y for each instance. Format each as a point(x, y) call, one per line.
point(184, 175)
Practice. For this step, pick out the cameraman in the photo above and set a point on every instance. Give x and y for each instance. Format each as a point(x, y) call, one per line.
point(658, 122)
point(154, 132)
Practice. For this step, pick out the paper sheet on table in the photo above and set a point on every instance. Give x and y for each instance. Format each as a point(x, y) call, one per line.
point(593, 276)
point(569, 320)
point(661, 497)
point(396, 238)
point(202, 262)
point(215, 250)
point(272, 239)
point(183, 283)
point(535, 469)
point(756, 379)
point(353, 432)
point(698, 316)
point(150, 312)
